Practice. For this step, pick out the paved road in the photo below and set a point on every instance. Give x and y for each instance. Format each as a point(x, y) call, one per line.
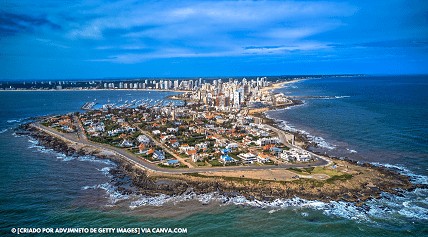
point(282, 136)
point(79, 138)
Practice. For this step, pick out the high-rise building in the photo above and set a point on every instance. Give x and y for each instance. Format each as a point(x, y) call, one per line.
point(237, 99)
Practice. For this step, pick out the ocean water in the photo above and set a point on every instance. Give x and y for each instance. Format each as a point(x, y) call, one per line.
point(372, 119)
point(41, 188)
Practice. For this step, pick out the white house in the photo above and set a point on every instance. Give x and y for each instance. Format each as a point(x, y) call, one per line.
point(159, 155)
point(267, 140)
point(262, 158)
point(184, 148)
point(232, 146)
point(126, 143)
point(296, 155)
point(172, 130)
point(143, 139)
point(130, 129)
point(247, 158)
point(196, 157)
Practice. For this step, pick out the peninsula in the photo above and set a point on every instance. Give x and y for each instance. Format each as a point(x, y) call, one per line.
point(218, 141)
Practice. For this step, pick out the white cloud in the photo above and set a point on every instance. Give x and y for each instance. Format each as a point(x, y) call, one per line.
point(209, 28)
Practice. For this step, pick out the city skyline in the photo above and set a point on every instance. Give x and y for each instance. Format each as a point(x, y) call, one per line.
point(96, 39)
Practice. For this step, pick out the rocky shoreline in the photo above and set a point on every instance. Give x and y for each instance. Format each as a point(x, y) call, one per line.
point(363, 182)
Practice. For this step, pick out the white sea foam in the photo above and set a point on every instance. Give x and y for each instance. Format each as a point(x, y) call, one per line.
point(415, 178)
point(96, 160)
point(64, 157)
point(14, 120)
point(341, 97)
point(331, 97)
point(3, 130)
point(321, 142)
point(408, 206)
point(386, 208)
point(351, 151)
point(150, 201)
point(105, 171)
point(112, 194)
point(34, 144)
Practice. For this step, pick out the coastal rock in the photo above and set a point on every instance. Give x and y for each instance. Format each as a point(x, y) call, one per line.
point(365, 183)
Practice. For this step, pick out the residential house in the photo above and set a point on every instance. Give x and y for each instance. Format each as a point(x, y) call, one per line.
point(172, 163)
point(232, 146)
point(158, 155)
point(226, 159)
point(126, 143)
point(143, 139)
point(296, 155)
point(172, 130)
point(267, 140)
point(247, 158)
point(262, 158)
point(196, 157)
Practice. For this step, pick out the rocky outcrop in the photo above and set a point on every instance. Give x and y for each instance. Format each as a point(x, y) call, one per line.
point(366, 182)
point(48, 141)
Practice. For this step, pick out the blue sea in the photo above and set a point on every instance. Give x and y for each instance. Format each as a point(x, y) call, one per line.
point(379, 119)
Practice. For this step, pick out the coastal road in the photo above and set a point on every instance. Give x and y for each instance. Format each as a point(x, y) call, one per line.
point(80, 139)
point(282, 135)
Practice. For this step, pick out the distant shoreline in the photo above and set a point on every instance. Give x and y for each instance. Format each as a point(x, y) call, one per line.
point(62, 90)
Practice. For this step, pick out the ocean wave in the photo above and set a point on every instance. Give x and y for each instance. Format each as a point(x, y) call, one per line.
point(20, 120)
point(64, 157)
point(14, 120)
point(286, 126)
point(414, 178)
point(113, 195)
point(351, 151)
point(90, 158)
point(150, 201)
point(410, 206)
point(321, 142)
point(330, 97)
point(4, 130)
point(34, 144)
point(106, 171)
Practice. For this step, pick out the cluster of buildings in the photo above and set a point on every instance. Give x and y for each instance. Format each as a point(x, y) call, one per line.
point(62, 123)
point(213, 128)
point(234, 94)
point(203, 137)
point(162, 84)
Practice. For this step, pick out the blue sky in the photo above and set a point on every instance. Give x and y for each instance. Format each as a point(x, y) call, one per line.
point(97, 39)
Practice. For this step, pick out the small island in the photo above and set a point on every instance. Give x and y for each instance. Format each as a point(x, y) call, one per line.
point(218, 140)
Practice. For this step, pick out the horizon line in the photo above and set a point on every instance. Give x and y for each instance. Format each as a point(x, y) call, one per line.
point(208, 77)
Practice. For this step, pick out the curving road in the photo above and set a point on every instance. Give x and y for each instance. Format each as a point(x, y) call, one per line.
point(80, 138)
